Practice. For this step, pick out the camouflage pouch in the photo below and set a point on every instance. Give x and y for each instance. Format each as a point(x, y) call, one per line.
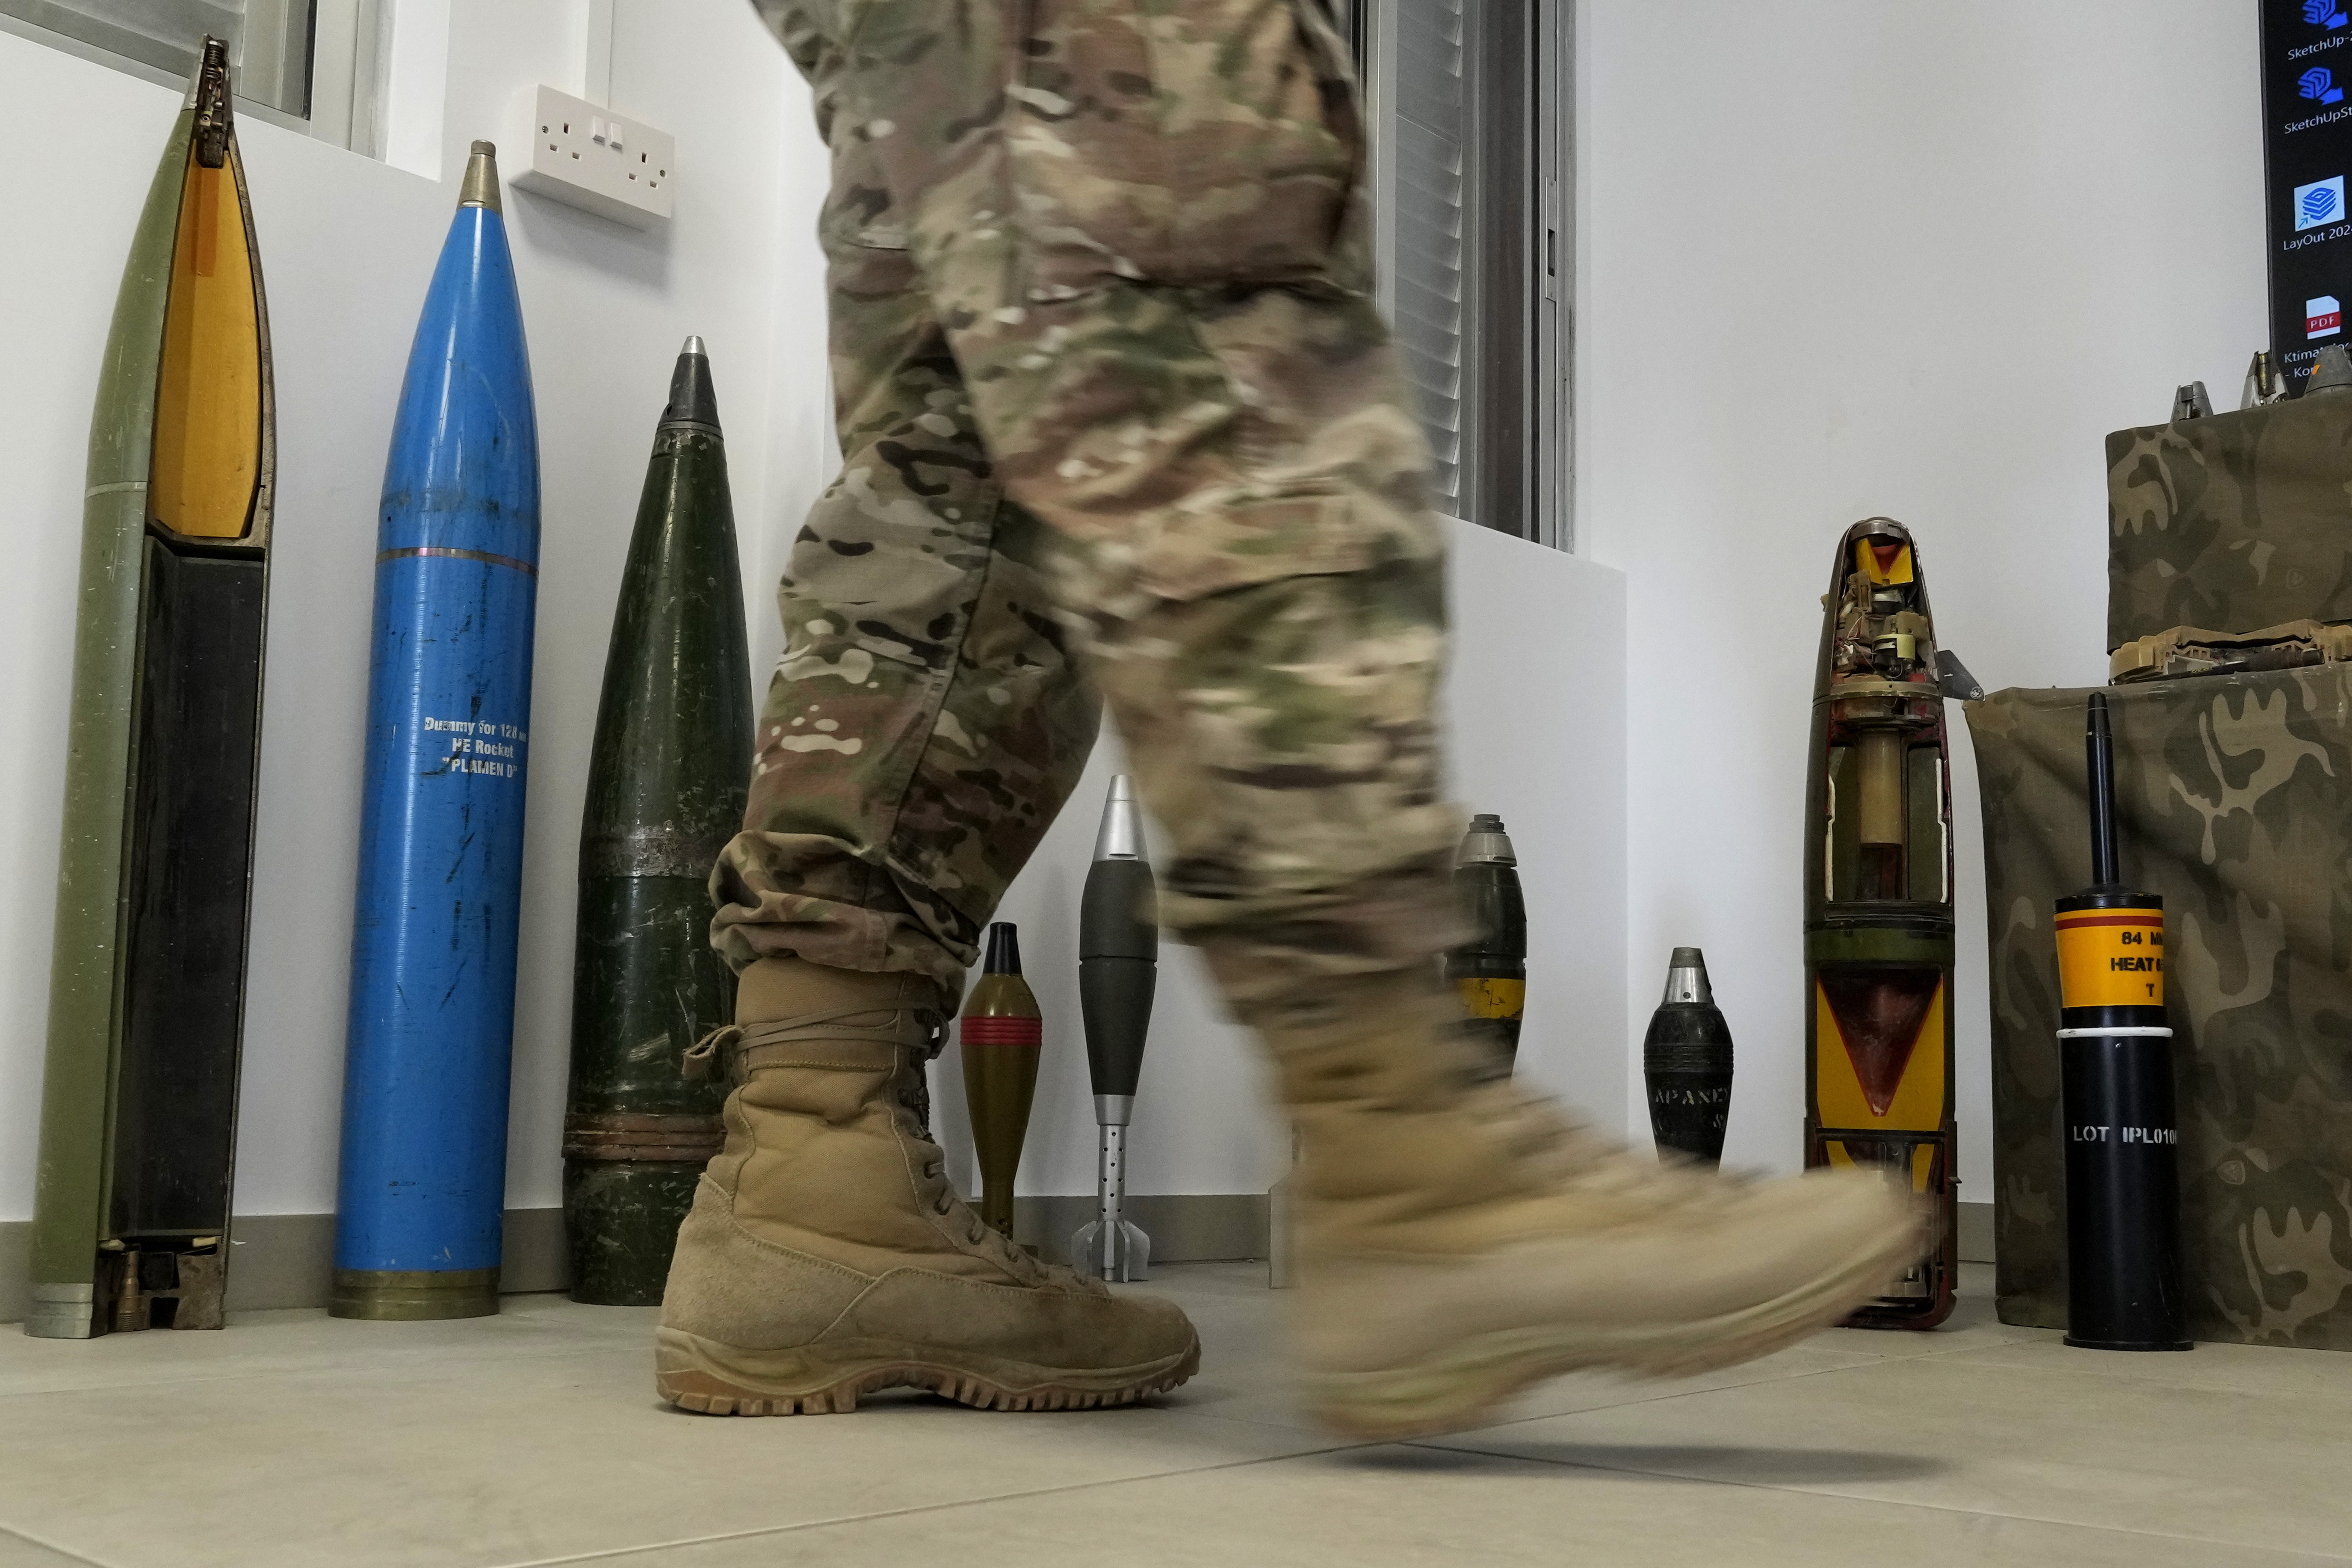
point(2232, 522)
point(2234, 803)
point(2193, 650)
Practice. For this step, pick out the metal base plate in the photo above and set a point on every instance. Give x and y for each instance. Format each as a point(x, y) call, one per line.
point(61, 1311)
point(414, 1295)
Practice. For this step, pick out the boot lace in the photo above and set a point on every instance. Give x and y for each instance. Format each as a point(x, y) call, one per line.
point(947, 1205)
point(912, 1037)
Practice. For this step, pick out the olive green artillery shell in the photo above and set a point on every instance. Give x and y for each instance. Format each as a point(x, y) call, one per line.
point(2231, 522)
point(2233, 801)
point(665, 792)
point(85, 985)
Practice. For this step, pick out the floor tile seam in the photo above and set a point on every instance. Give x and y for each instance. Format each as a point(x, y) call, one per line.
point(1833, 1495)
point(2126, 1379)
point(1273, 1424)
point(65, 1552)
point(1960, 1350)
point(1028, 1494)
point(505, 1357)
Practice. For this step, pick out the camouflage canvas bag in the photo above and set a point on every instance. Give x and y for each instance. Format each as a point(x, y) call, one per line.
point(2232, 522)
point(2234, 803)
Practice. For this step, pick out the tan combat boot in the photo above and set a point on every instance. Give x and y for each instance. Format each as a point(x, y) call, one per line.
point(826, 1255)
point(1458, 1241)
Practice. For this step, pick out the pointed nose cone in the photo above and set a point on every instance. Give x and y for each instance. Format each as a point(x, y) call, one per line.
point(480, 186)
point(1687, 979)
point(692, 400)
point(1121, 835)
point(2191, 403)
point(464, 467)
point(1486, 844)
point(2332, 375)
point(208, 95)
point(1003, 950)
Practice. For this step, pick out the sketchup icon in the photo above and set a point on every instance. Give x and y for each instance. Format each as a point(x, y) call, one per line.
point(2318, 84)
point(2323, 13)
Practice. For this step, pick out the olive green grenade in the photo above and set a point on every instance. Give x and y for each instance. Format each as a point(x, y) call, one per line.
point(1004, 1035)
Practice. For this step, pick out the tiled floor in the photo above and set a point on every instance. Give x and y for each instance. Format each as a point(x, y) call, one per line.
point(533, 1437)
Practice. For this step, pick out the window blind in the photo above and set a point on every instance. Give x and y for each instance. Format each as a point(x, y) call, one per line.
point(1430, 265)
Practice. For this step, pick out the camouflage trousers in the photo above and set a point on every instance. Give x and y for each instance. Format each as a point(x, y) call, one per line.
point(1116, 414)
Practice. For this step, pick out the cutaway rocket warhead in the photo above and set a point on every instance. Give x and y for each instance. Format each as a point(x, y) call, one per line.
point(1878, 898)
point(140, 1092)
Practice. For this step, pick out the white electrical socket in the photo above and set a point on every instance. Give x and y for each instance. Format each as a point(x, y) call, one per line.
point(583, 155)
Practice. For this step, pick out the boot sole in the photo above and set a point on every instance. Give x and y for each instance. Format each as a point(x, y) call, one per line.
point(712, 1378)
point(1458, 1388)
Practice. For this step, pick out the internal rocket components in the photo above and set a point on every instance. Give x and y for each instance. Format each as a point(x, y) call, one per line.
point(147, 982)
point(1687, 1063)
point(1489, 972)
point(1878, 904)
point(1118, 968)
point(422, 1183)
point(1004, 1038)
point(666, 790)
point(2123, 1183)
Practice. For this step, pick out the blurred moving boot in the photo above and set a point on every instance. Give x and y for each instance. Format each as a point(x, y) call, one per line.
point(1458, 1241)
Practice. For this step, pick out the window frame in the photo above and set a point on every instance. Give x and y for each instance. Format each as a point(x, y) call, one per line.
point(343, 72)
point(1524, 463)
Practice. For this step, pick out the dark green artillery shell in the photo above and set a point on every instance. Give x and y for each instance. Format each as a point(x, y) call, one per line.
point(665, 791)
point(619, 1214)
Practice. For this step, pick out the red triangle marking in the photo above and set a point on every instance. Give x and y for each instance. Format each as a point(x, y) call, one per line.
point(1878, 1013)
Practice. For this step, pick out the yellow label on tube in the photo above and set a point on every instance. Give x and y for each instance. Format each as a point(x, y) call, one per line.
point(2111, 958)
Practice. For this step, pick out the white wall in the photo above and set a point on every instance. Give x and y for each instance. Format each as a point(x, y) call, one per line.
point(1845, 257)
point(347, 246)
point(1835, 259)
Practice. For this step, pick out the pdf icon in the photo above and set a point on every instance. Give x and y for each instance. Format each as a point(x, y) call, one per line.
point(2323, 317)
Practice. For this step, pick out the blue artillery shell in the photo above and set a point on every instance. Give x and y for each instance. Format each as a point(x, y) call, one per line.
point(432, 955)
